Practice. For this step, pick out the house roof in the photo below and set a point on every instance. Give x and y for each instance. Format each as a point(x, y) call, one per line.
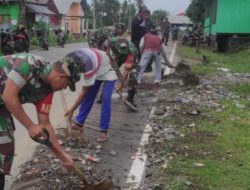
point(45, 2)
point(64, 5)
point(39, 9)
point(181, 14)
point(179, 19)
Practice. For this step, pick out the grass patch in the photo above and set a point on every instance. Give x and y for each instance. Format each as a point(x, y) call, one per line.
point(242, 89)
point(236, 62)
point(223, 147)
point(220, 140)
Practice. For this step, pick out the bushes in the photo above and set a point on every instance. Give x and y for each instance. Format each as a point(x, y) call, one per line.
point(49, 31)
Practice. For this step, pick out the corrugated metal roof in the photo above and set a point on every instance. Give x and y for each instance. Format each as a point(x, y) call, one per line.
point(64, 5)
point(39, 9)
point(45, 2)
point(179, 19)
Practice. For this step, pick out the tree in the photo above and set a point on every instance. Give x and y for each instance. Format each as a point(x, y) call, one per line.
point(139, 3)
point(106, 12)
point(196, 11)
point(22, 12)
point(127, 13)
point(158, 16)
point(109, 12)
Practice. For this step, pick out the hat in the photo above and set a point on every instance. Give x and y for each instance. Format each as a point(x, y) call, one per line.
point(72, 70)
point(151, 28)
point(78, 62)
point(120, 25)
point(21, 26)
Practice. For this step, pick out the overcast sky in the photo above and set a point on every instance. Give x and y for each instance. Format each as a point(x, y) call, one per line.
point(172, 6)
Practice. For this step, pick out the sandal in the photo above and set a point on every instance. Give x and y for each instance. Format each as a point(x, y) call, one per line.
point(77, 127)
point(103, 137)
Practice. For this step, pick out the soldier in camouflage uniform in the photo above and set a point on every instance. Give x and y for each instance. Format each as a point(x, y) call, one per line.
point(28, 78)
point(98, 37)
point(124, 52)
point(165, 28)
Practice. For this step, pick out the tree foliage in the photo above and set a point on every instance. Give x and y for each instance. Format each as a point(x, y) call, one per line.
point(196, 10)
point(139, 3)
point(158, 15)
point(109, 12)
point(128, 11)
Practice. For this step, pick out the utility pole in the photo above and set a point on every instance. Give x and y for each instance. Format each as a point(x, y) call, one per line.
point(22, 12)
point(94, 16)
point(129, 19)
point(101, 13)
point(81, 26)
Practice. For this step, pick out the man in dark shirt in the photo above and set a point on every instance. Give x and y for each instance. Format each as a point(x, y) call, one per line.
point(138, 28)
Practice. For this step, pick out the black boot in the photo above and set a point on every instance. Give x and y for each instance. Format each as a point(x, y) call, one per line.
point(130, 100)
point(2, 181)
point(149, 66)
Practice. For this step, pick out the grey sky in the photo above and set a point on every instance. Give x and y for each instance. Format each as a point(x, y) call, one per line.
point(172, 6)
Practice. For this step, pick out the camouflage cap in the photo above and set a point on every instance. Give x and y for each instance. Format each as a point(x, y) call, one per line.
point(72, 69)
point(120, 25)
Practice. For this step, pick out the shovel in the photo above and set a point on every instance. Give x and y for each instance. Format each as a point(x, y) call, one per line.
point(168, 71)
point(104, 184)
point(68, 132)
point(126, 103)
point(121, 80)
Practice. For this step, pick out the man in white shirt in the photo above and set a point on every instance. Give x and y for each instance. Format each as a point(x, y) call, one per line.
point(96, 68)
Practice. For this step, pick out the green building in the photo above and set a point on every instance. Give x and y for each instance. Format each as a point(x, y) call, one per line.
point(9, 13)
point(226, 20)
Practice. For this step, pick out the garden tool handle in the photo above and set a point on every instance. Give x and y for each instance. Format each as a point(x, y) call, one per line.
point(65, 108)
point(80, 174)
point(116, 68)
point(43, 141)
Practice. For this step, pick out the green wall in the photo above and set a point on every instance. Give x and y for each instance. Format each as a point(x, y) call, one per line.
point(233, 16)
point(12, 9)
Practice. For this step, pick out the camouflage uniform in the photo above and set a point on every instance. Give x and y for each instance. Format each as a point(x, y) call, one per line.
point(28, 74)
point(165, 28)
point(121, 49)
point(98, 38)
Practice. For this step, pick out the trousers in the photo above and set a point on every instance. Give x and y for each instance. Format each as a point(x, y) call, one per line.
point(87, 103)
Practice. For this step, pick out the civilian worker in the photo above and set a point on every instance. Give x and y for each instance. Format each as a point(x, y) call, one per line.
point(96, 68)
point(151, 47)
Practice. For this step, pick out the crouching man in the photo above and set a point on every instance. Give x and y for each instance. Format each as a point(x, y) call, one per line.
point(28, 78)
point(95, 67)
